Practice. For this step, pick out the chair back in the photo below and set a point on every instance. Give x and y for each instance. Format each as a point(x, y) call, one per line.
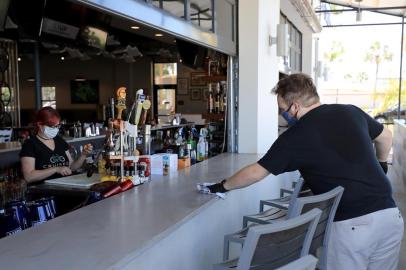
point(273, 245)
point(327, 203)
point(298, 188)
point(294, 196)
point(307, 262)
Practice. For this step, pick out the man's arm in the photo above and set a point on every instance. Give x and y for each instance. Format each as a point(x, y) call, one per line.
point(383, 144)
point(246, 176)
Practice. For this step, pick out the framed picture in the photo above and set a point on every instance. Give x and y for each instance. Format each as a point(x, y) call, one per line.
point(197, 79)
point(195, 94)
point(183, 85)
point(205, 93)
point(84, 92)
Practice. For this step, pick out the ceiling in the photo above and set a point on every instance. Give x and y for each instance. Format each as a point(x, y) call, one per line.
point(382, 6)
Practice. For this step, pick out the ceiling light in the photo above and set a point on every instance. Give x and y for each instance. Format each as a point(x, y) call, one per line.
point(80, 79)
point(30, 79)
point(62, 58)
point(159, 35)
point(135, 27)
point(19, 59)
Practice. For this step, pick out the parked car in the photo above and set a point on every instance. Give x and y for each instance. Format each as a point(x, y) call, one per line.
point(388, 116)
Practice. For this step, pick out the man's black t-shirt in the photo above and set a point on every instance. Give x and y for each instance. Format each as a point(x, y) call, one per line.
point(331, 146)
point(44, 156)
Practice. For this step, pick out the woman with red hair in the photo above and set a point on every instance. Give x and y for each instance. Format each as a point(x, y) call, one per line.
point(46, 155)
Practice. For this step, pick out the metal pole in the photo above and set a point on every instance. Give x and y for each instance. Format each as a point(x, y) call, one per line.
point(37, 77)
point(230, 115)
point(401, 68)
point(213, 16)
point(187, 10)
point(316, 62)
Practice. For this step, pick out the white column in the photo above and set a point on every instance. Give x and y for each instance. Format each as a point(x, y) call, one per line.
point(258, 73)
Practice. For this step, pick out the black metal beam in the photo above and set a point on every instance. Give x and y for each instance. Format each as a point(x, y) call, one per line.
point(365, 24)
point(364, 8)
point(378, 10)
point(334, 10)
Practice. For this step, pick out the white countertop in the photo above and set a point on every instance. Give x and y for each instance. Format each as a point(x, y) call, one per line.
point(119, 228)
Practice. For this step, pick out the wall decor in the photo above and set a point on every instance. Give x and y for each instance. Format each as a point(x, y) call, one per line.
point(198, 79)
point(183, 86)
point(195, 93)
point(84, 92)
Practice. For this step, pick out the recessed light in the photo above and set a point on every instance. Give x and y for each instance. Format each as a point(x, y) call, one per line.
point(135, 27)
point(19, 59)
point(159, 35)
point(80, 79)
point(62, 58)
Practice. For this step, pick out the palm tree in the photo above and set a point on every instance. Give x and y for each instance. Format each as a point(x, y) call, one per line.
point(335, 52)
point(376, 54)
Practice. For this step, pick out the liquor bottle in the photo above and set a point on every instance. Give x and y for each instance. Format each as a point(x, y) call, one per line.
point(217, 99)
point(210, 101)
point(167, 140)
point(223, 101)
point(190, 140)
point(201, 148)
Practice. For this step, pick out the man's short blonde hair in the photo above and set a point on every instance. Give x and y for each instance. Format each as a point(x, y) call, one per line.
point(297, 87)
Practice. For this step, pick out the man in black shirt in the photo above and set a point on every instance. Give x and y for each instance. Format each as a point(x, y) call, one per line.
point(333, 145)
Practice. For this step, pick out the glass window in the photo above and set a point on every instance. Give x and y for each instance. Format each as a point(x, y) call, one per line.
point(225, 19)
point(201, 13)
point(294, 60)
point(165, 73)
point(48, 96)
point(166, 101)
point(175, 7)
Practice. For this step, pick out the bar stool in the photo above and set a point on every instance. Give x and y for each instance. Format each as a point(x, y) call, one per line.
point(307, 262)
point(327, 202)
point(274, 245)
point(278, 208)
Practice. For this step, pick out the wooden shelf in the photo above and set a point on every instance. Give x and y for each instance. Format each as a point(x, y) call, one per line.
point(115, 157)
point(215, 78)
point(213, 116)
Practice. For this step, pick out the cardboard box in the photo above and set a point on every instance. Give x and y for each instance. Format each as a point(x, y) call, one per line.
point(162, 160)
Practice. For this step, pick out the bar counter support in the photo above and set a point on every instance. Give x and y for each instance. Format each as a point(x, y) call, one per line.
point(163, 224)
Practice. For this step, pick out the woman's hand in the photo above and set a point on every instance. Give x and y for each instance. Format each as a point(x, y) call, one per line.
point(64, 171)
point(87, 149)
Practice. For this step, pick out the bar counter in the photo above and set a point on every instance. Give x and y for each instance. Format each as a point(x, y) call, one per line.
point(399, 152)
point(162, 224)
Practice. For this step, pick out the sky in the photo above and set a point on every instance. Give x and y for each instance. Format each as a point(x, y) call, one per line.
point(356, 42)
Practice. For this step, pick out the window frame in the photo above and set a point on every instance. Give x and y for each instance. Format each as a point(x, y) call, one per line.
point(48, 100)
point(295, 59)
